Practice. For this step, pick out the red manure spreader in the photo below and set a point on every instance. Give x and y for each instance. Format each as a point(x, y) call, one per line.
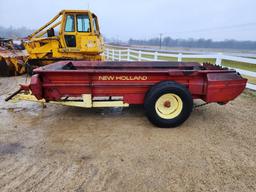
point(166, 89)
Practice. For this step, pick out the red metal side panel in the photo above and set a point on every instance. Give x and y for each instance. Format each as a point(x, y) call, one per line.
point(134, 98)
point(223, 87)
point(57, 85)
point(36, 86)
point(133, 80)
point(132, 86)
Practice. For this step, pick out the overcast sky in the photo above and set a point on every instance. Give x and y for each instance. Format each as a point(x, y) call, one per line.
point(124, 19)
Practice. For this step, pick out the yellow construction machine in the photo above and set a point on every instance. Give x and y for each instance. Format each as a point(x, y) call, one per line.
point(70, 35)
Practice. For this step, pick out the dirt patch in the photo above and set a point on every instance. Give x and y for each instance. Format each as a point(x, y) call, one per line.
point(71, 149)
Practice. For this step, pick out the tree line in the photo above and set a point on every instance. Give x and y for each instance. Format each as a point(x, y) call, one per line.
point(11, 32)
point(195, 43)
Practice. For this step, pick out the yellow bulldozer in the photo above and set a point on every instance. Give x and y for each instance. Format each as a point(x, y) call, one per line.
point(70, 35)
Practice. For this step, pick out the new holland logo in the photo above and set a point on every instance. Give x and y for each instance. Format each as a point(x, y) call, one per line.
point(122, 78)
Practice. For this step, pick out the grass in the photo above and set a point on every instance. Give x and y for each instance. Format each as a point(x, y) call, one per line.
point(244, 66)
point(251, 80)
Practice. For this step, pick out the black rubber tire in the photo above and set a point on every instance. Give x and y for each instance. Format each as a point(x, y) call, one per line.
point(160, 89)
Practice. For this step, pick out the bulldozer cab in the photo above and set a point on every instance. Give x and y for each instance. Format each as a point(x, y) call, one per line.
point(73, 34)
point(78, 28)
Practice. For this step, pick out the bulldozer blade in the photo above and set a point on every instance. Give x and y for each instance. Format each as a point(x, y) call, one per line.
point(11, 62)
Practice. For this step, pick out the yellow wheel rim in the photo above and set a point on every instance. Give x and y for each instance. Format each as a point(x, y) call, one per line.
point(168, 106)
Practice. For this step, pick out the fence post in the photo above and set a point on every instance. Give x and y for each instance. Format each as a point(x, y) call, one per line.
point(107, 53)
point(156, 56)
point(113, 54)
point(139, 55)
point(179, 57)
point(128, 54)
point(218, 59)
point(119, 52)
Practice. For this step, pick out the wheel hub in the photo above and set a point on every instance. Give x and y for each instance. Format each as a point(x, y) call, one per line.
point(169, 106)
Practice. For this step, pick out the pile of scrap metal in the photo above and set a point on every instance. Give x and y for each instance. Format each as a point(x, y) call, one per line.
point(12, 57)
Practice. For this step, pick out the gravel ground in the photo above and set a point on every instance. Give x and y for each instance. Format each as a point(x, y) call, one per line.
point(61, 148)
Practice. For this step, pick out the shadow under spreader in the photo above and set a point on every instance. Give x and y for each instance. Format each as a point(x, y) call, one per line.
point(132, 110)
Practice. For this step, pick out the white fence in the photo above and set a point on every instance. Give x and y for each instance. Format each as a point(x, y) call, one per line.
point(127, 54)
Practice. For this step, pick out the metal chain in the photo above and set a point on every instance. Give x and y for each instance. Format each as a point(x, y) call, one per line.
point(201, 105)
